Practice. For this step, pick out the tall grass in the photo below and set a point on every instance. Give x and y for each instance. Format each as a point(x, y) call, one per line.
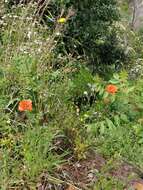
point(27, 70)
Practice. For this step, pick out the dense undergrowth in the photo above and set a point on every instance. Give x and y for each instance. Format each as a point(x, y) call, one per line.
point(73, 110)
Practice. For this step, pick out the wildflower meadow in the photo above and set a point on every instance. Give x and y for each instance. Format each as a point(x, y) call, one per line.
point(71, 95)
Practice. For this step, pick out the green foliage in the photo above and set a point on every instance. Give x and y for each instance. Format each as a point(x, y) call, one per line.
point(115, 120)
point(72, 110)
point(108, 183)
point(81, 83)
point(38, 141)
point(90, 31)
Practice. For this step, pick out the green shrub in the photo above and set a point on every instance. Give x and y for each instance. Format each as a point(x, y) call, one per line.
point(90, 32)
point(114, 121)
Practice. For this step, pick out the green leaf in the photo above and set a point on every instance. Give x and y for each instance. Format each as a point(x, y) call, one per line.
point(117, 120)
point(124, 117)
point(105, 95)
point(102, 127)
point(131, 89)
point(116, 76)
point(101, 91)
point(140, 141)
point(110, 123)
point(114, 81)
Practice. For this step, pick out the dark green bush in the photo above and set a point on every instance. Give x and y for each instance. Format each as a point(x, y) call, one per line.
point(91, 32)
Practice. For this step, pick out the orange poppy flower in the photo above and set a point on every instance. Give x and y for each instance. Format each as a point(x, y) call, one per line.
point(112, 89)
point(25, 105)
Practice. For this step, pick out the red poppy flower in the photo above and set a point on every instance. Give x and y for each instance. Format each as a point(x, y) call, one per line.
point(112, 89)
point(25, 105)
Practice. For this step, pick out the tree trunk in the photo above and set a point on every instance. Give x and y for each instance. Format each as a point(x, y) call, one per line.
point(137, 15)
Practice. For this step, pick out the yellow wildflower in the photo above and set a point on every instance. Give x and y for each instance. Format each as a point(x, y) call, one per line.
point(61, 20)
